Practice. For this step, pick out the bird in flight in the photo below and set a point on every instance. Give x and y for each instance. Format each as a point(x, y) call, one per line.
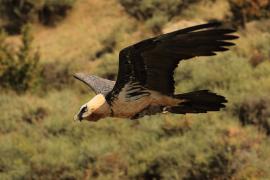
point(145, 82)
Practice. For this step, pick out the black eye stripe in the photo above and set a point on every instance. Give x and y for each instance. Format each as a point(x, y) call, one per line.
point(84, 109)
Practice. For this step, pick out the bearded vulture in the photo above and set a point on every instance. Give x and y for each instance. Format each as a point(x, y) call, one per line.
point(145, 83)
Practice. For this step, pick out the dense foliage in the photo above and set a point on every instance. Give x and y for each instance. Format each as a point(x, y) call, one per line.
point(155, 12)
point(247, 10)
point(39, 140)
point(18, 67)
point(19, 12)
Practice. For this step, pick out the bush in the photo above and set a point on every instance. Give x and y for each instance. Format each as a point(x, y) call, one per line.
point(157, 12)
point(203, 147)
point(219, 166)
point(108, 68)
point(109, 43)
point(256, 112)
point(246, 10)
point(54, 11)
point(147, 9)
point(18, 68)
point(20, 12)
point(56, 76)
point(108, 54)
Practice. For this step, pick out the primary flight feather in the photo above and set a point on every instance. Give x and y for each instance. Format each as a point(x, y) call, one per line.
point(145, 83)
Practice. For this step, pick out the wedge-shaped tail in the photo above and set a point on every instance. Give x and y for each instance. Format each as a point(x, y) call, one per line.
point(198, 102)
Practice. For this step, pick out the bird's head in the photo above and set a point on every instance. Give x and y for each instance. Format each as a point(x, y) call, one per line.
point(93, 110)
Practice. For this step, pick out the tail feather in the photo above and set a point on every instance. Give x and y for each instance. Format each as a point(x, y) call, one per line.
point(198, 102)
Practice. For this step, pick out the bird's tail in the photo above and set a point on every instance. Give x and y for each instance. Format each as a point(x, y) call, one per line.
point(198, 102)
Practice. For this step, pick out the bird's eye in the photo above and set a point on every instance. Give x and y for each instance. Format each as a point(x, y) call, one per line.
point(84, 109)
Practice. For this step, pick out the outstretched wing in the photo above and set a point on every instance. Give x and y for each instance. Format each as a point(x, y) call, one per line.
point(97, 84)
point(150, 64)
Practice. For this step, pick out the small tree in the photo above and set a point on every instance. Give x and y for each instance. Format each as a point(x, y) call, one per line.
point(18, 13)
point(18, 68)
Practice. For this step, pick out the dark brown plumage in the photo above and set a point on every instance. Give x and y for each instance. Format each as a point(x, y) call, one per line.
point(146, 69)
point(152, 62)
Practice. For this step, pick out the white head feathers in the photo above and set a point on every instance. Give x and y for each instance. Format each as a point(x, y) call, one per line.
point(96, 102)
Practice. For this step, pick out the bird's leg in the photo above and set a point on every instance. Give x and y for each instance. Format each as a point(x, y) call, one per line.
point(149, 110)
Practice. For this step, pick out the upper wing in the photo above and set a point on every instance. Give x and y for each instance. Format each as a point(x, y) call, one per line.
point(97, 84)
point(151, 63)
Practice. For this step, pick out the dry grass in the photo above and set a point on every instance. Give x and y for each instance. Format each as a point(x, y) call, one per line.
point(206, 10)
point(79, 36)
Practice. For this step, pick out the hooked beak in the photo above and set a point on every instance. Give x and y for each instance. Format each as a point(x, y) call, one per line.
point(78, 117)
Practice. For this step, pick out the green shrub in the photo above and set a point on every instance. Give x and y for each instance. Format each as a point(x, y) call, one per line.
point(109, 53)
point(54, 11)
point(56, 76)
point(18, 67)
point(108, 68)
point(166, 146)
point(157, 12)
point(26, 111)
point(256, 111)
point(20, 12)
point(109, 42)
point(146, 9)
point(244, 11)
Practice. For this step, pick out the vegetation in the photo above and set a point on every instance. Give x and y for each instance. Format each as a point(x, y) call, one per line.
point(245, 11)
point(38, 99)
point(20, 12)
point(155, 12)
point(18, 68)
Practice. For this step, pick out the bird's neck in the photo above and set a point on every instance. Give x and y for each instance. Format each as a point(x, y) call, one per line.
point(104, 110)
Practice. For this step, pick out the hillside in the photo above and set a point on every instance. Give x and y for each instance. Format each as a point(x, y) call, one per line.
point(80, 34)
point(40, 140)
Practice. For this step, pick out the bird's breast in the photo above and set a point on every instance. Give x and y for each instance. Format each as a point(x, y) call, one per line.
point(126, 106)
point(127, 109)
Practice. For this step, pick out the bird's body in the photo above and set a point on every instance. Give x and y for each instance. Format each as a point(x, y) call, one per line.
point(125, 108)
point(129, 108)
point(145, 83)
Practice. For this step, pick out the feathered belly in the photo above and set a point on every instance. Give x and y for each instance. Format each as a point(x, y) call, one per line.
point(128, 107)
